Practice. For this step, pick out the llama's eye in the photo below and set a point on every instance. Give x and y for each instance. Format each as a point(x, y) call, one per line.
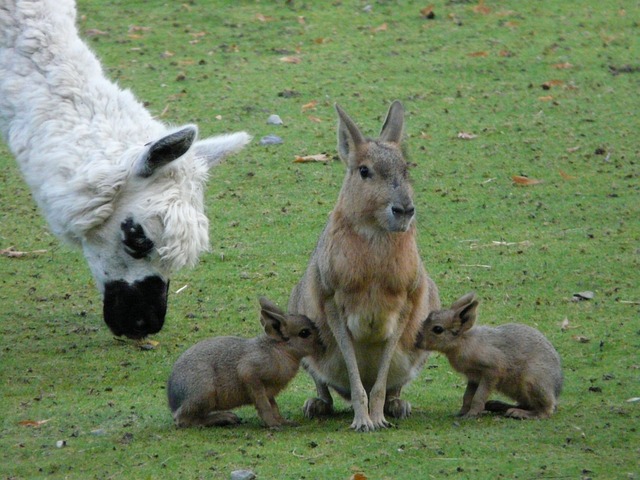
point(437, 329)
point(136, 243)
point(364, 172)
point(305, 333)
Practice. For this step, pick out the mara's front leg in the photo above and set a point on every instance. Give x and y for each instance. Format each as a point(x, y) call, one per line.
point(484, 388)
point(361, 419)
point(379, 390)
point(261, 400)
point(469, 393)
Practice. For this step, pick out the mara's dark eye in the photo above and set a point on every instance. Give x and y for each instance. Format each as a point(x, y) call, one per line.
point(134, 239)
point(305, 333)
point(364, 172)
point(437, 329)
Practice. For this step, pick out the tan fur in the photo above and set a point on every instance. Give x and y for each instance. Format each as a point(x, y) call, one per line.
point(365, 285)
point(222, 373)
point(514, 359)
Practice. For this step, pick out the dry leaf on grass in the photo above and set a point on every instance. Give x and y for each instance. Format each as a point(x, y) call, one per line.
point(263, 18)
point(314, 119)
point(551, 83)
point(138, 28)
point(520, 180)
point(94, 32)
point(562, 66)
point(33, 423)
point(478, 54)
point(319, 157)
point(427, 12)
point(310, 105)
point(481, 8)
point(466, 136)
point(382, 28)
point(581, 339)
point(291, 59)
point(358, 476)
point(566, 176)
point(546, 98)
point(565, 325)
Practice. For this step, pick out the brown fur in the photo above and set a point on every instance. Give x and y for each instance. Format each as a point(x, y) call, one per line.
point(514, 359)
point(222, 373)
point(365, 285)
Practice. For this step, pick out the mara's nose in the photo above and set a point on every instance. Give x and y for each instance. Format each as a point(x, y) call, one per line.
point(403, 210)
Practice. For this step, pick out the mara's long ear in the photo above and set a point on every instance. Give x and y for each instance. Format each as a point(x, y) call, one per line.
point(349, 135)
point(273, 319)
point(165, 150)
point(213, 149)
point(467, 316)
point(393, 126)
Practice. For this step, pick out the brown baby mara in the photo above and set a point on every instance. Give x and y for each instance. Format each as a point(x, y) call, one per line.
point(222, 373)
point(514, 359)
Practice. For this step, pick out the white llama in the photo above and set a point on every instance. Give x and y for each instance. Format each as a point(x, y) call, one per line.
point(109, 178)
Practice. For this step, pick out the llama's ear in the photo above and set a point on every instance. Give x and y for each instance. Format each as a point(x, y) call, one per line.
point(213, 149)
point(349, 135)
point(393, 125)
point(165, 150)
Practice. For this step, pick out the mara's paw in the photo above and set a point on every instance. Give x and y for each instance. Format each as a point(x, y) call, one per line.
point(363, 424)
point(521, 414)
point(221, 419)
point(316, 407)
point(397, 408)
point(469, 415)
point(496, 406)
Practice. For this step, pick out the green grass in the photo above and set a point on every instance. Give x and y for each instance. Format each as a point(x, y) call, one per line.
point(106, 399)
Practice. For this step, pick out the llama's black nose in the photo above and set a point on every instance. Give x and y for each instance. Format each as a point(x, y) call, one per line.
point(135, 309)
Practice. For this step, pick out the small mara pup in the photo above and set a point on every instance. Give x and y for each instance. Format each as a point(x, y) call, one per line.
point(222, 373)
point(514, 359)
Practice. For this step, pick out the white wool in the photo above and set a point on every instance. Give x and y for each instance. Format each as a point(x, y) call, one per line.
point(77, 138)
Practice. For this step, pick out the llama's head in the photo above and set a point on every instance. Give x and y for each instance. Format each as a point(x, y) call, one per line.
point(149, 224)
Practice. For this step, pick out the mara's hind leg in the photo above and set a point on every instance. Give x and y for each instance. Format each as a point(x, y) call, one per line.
point(320, 406)
point(196, 414)
point(536, 402)
point(394, 406)
point(496, 406)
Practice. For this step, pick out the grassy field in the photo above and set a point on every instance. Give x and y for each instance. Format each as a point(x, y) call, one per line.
point(545, 90)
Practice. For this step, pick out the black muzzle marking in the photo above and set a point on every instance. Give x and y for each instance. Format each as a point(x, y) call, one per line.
point(135, 309)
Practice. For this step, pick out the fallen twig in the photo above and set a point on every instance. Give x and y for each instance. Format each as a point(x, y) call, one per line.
point(495, 243)
point(11, 252)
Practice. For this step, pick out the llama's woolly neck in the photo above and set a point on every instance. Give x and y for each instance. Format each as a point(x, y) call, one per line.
point(47, 68)
point(76, 136)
